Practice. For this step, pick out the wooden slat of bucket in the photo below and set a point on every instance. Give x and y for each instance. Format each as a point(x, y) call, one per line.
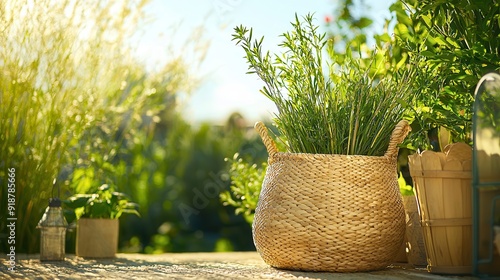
point(462, 153)
point(459, 151)
point(416, 167)
point(433, 194)
point(442, 158)
point(467, 165)
point(454, 192)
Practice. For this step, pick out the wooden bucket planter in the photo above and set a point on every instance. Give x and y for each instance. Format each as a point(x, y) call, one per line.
point(97, 238)
point(442, 183)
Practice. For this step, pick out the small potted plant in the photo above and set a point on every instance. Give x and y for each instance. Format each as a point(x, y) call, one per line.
point(97, 217)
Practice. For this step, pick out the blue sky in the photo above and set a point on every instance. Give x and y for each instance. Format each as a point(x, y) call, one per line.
point(225, 87)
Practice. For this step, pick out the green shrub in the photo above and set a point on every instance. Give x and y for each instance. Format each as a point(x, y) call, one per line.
point(452, 43)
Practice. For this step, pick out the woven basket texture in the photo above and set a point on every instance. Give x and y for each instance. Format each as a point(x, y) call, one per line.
point(338, 213)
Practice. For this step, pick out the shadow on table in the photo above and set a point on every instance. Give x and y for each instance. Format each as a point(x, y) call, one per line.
point(81, 268)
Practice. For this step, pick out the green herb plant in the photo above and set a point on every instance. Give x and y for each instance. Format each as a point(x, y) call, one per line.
point(246, 182)
point(104, 204)
point(350, 109)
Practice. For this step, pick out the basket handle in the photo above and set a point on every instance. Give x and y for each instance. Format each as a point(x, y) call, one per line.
point(268, 141)
point(398, 135)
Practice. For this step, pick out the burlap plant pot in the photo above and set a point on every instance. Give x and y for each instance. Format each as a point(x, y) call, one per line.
point(97, 238)
point(338, 213)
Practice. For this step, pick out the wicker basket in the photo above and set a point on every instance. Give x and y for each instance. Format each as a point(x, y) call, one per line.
point(338, 213)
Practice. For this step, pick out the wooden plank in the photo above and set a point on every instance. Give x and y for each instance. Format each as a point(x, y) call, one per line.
point(433, 192)
point(463, 153)
point(415, 164)
point(453, 205)
point(459, 151)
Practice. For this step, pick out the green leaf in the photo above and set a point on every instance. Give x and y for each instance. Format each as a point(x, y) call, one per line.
point(402, 31)
point(77, 201)
point(78, 173)
point(452, 42)
point(120, 195)
point(131, 211)
point(363, 22)
point(428, 54)
point(383, 38)
point(441, 40)
point(99, 209)
point(427, 20)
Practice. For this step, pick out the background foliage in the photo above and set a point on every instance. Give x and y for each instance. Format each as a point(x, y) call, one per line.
point(451, 44)
point(66, 73)
point(457, 42)
point(77, 107)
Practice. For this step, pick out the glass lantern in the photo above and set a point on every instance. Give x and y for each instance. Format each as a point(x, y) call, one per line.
point(53, 227)
point(486, 178)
